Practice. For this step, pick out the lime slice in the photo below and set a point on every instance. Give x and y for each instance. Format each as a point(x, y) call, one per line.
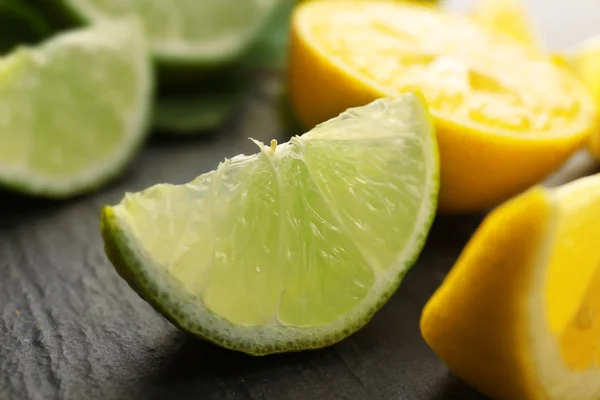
point(202, 33)
point(292, 248)
point(73, 110)
point(584, 61)
point(20, 24)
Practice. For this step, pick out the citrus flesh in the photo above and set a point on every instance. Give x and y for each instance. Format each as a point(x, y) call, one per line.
point(186, 32)
point(504, 117)
point(61, 137)
point(510, 17)
point(292, 248)
point(518, 316)
point(585, 62)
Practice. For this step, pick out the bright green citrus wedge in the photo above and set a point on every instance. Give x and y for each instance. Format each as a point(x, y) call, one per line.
point(188, 32)
point(295, 247)
point(73, 110)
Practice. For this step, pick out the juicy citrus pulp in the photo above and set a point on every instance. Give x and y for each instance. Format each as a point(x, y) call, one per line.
point(510, 17)
point(585, 62)
point(195, 32)
point(518, 317)
point(505, 117)
point(61, 136)
point(294, 247)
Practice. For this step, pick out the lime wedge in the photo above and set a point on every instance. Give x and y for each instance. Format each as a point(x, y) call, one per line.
point(295, 247)
point(188, 32)
point(73, 110)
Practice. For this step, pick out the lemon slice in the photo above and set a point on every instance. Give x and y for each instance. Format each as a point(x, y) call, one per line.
point(518, 317)
point(585, 60)
point(505, 118)
point(293, 248)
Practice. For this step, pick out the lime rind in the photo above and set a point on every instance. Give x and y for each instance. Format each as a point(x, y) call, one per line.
point(97, 172)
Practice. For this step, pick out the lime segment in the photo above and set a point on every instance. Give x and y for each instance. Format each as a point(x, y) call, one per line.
point(64, 136)
point(294, 247)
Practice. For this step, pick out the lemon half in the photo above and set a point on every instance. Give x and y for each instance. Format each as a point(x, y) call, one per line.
point(505, 117)
point(518, 317)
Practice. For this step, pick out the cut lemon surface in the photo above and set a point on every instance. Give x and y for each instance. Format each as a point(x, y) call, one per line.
point(585, 62)
point(518, 317)
point(293, 248)
point(73, 110)
point(511, 18)
point(184, 32)
point(505, 117)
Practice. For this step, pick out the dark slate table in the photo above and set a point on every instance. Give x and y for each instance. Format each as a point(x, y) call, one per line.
point(70, 328)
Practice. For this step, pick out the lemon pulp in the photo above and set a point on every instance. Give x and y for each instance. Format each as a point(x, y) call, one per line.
point(466, 73)
point(573, 280)
point(505, 118)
